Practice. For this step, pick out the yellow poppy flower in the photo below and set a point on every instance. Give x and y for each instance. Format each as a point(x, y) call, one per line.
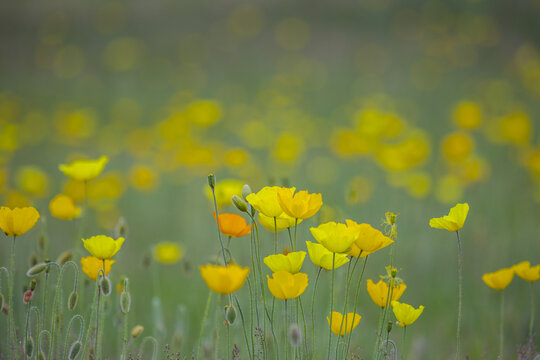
point(15, 222)
point(342, 326)
point(224, 279)
point(527, 272)
point(322, 257)
point(301, 205)
point(168, 252)
point(405, 313)
point(292, 262)
point(283, 221)
point(368, 241)
point(454, 220)
point(379, 292)
point(233, 225)
point(336, 237)
point(91, 266)
point(63, 207)
point(284, 285)
point(499, 279)
point(266, 200)
point(103, 247)
point(84, 170)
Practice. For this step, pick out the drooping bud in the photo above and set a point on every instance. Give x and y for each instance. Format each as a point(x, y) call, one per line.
point(36, 269)
point(212, 181)
point(105, 284)
point(230, 314)
point(29, 347)
point(73, 299)
point(389, 326)
point(295, 336)
point(33, 260)
point(125, 302)
point(246, 190)
point(74, 350)
point(33, 284)
point(42, 356)
point(64, 257)
point(239, 203)
point(136, 331)
point(27, 296)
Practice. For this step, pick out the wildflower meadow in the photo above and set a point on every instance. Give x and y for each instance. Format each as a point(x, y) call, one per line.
point(269, 180)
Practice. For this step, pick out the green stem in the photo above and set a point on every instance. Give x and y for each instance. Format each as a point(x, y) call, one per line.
point(313, 313)
point(99, 310)
point(219, 227)
point(460, 295)
point(295, 226)
point(206, 310)
point(344, 313)
point(81, 320)
point(90, 323)
point(531, 321)
point(275, 235)
point(331, 305)
point(501, 327)
point(125, 339)
point(379, 325)
point(258, 252)
point(403, 343)
point(356, 300)
point(286, 332)
point(11, 340)
point(305, 326)
point(244, 326)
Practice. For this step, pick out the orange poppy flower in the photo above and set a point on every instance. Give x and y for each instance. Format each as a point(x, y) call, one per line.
point(233, 225)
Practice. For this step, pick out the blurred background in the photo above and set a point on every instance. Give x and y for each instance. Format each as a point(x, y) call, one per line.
point(380, 105)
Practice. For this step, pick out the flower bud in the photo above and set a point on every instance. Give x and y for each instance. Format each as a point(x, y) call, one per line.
point(74, 350)
point(137, 331)
point(29, 346)
point(36, 269)
point(64, 257)
point(27, 297)
point(41, 242)
point(212, 181)
point(73, 299)
point(230, 314)
point(389, 327)
point(33, 260)
point(295, 336)
point(5, 309)
point(246, 190)
point(42, 356)
point(239, 203)
point(33, 284)
point(105, 284)
point(125, 302)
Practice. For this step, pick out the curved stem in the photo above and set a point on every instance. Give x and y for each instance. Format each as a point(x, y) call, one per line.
point(154, 351)
point(331, 305)
point(81, 321)
point(89, 331)
point(206, 310)
point(460, 295)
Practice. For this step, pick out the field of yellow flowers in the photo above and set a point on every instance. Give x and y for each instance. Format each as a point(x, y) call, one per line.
point(269, 180)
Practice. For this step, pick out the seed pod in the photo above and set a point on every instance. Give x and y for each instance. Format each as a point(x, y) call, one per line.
point(246, 190)
point(230, 314)
point(125, 302)
point(239, 203)
point(212, 181)
point(295, 336)
point(105, 284)
point(27, 296)
point(29, 346)
point(136, 331)
point(64, 257)
point(74, 350)
point(36, 269)
point(73, 299)
point(33, 259)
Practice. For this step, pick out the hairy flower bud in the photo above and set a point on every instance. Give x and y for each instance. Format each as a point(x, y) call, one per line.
point(29, 347)
point(212, 181)
point(246, 190)
point(64, 257)
point(74, 350)
point(230, 314)
point(136, 331)
point(105, 284)
point(125, 302)
point(239, 203)
point(36, 269)
point(73, 299)
point(295, 336)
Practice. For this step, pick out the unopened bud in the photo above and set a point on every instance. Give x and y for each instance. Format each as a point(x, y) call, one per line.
point(33, 284)
point(393, 272)
point(137, 331)
point(105, 284)
point(230, 314)
point(64, 257)
point(295, 336)
point(29, 347)
point(125, 302)
point(239, 203)
point(73, 299)
point(212, 181)
point(36, 269)
point(41, 241)
point(389, 327)
point(33, 260)
point(246, 190)
point(74, 350)
point(5, 309)
point(27, 296)
point(42, 356)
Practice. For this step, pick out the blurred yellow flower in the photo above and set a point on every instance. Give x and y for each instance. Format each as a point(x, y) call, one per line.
point(103, 247)
point(32, 181)
point(224, 190)
point(233, 225)
point(266, 200)
point(342, 326)
point(236, 157)
point(17, 221)
point(323, 257)
point(168, 252)
point(301, 205)
point(457, 147)
point(499, 279)
point(336, 237)
point(224, 279)
point(143, 178)
point(405, 313)
point(288, 148)
point(63, 207)
point(368, 241)
point(379, 292)
point(283, 222)
point(91, 266)
point(527, 272)
point(84, 170)
point(455, 219)
point(291, 262)
point(468, 115)
point(449, 189)
point(204, 113)
point(284, 285)
point(516, 128)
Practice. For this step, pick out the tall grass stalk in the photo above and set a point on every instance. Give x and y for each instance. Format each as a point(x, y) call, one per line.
point(460, 296)
point(331, 305)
